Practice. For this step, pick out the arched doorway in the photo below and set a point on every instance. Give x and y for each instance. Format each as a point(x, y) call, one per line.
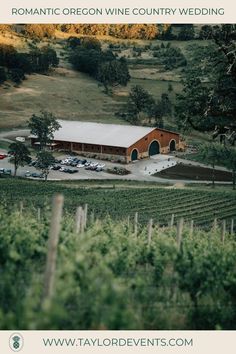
point(172, 145)
point(154, 148)
point(134, 155)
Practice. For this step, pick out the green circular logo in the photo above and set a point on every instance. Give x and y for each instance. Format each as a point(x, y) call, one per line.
point(16, 342)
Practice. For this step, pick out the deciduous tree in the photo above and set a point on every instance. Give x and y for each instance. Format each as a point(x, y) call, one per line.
point(213, 153)
point(20, 155)
point(230, 163)
point(43, 127)
point(45, 159)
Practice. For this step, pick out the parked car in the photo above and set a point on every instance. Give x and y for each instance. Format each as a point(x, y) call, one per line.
point(37, 175)
point(80, 165)
point(27, 174)
point(72, 170)
point(55, 167)
point(92, 167)
point(2, 156)
point(5, 171)
point(66, 161)
point(93, 164)
point(32, 163)
point(73, 163)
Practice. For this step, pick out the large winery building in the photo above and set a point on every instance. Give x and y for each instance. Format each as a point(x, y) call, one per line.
point(121, 142)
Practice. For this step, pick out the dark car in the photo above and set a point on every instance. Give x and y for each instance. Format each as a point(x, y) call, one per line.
point(76, 161)
point(37, 175)
point(32, 163)
point(73, 163)
point(69, 170)
point(56, 167)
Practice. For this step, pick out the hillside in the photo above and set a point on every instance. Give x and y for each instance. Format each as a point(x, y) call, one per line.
point(74, 95)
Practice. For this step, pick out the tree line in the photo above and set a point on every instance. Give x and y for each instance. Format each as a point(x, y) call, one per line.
point(141, 106)
point(207, 102)
point(168, 56)
point(122, 31)
point(88, 57)
point(15, 65)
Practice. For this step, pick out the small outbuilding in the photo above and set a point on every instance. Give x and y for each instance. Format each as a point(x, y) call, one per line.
point(121, 142)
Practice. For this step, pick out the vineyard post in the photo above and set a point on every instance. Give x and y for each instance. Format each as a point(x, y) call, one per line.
point(82, 220)
point(150, 231)
point(191, 228)
point(223, 231)
point(92, 218)
point(21, 207)
point(39, 214)
point(232, 227)
point(85, 215)
point(136, 223)
point(55, 227)
point(215, 225)
point(128, 220)
point(180, 226)
point(172, 220)
point(78, 220)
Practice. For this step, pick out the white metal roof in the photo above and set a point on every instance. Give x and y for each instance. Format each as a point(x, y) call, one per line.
point(100, 134)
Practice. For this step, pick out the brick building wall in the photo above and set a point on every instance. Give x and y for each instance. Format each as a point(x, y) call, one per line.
point(163, 137)
point(142, 146)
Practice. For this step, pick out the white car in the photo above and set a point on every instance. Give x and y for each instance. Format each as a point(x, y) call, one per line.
point(62, 169)
point(101, 165)
point(94, 164)
point(67, 160)
point(80, 165)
